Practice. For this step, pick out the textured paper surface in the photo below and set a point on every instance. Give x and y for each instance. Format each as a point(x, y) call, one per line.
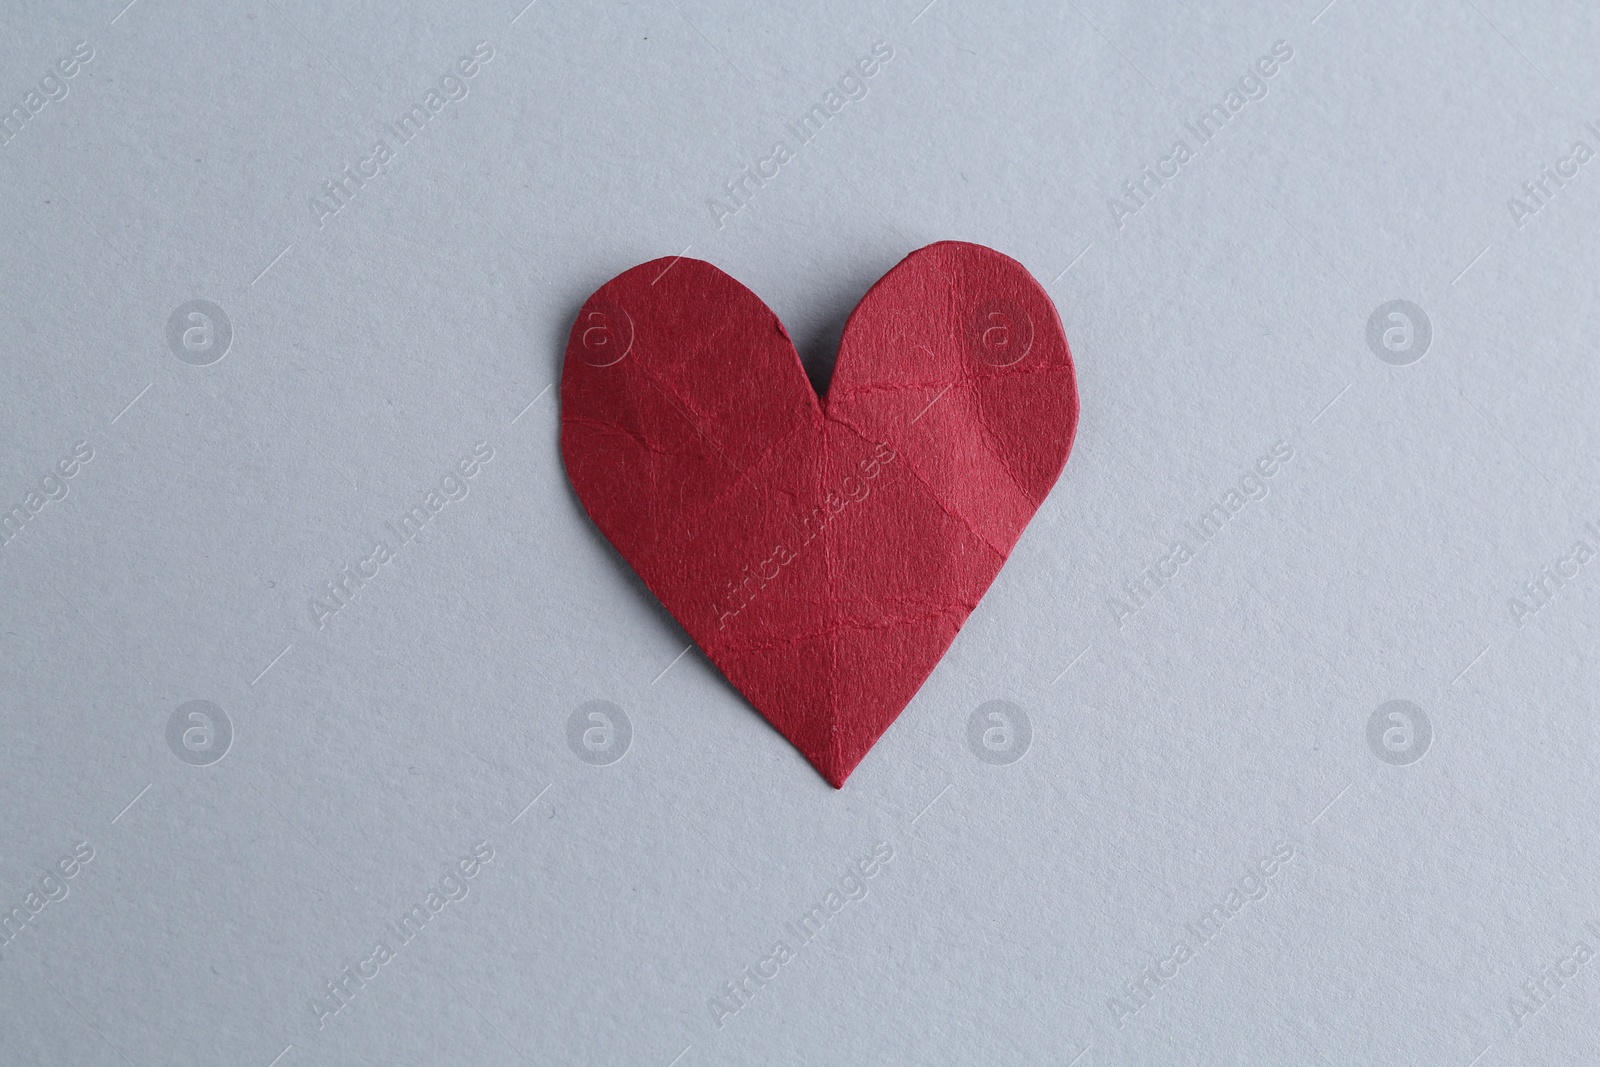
point(1228, 320)
point(822, 554)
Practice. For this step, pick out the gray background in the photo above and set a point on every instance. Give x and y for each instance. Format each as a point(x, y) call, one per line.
point(1169, 749)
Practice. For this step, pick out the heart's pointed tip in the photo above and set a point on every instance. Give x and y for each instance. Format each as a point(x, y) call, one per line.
point(833, 769)
point(834, 772)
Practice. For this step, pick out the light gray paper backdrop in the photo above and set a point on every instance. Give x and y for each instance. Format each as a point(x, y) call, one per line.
point(267, 359)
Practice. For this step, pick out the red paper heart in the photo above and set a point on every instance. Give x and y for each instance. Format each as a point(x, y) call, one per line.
point(823, 556)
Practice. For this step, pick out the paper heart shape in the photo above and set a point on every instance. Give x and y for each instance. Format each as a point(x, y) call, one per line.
point(822, 554)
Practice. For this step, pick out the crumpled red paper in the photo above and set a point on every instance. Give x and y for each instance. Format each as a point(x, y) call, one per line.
point(823, 554)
